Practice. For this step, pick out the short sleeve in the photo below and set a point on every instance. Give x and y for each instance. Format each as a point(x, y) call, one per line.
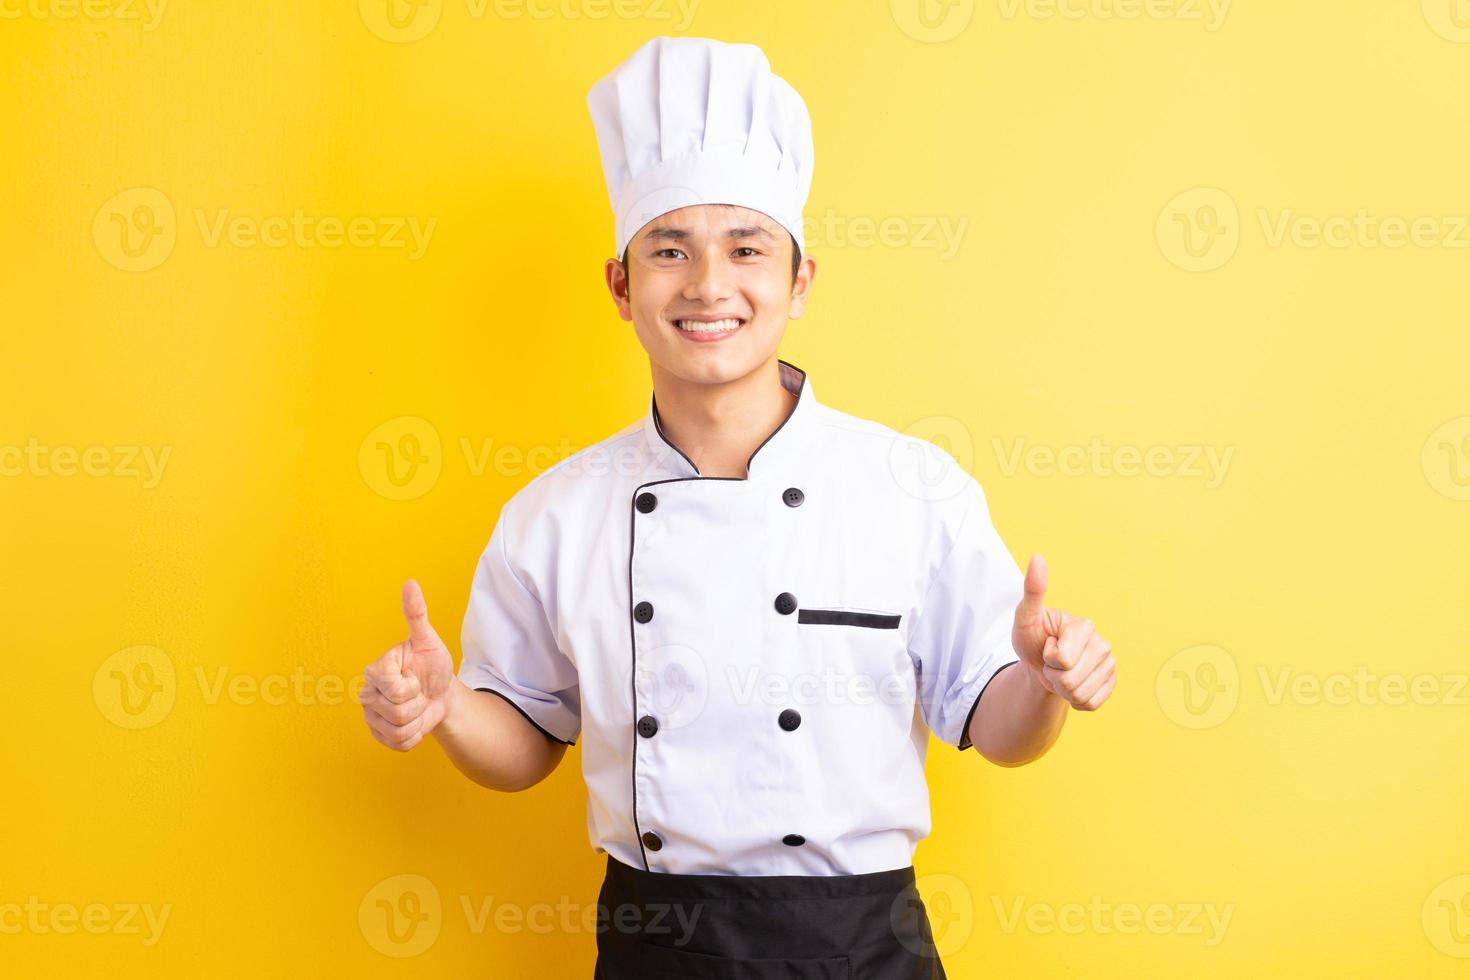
point(510, 649)
point(961, 636)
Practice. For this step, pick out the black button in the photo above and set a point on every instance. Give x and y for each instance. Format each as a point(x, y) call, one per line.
point(648, 726)
point(793, 497)
point(790, 719)
point(786, 603)
point(652, 841)
point(647, 502)
point(643, 612)
point(793, 840)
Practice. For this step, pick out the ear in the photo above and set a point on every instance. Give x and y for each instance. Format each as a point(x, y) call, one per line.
point(618, 286)
point(805, 273)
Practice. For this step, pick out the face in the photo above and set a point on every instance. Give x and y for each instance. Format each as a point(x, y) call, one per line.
point(696, 269)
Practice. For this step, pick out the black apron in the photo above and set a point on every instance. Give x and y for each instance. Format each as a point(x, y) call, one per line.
point(658, 926)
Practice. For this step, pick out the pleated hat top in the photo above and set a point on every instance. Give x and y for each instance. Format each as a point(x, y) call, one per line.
point(690, 120)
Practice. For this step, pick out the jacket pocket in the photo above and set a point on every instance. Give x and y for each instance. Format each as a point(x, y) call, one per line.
point(667, 963)
point(848, 617)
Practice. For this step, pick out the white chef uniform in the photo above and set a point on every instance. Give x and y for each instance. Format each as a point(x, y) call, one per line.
point(756, 663)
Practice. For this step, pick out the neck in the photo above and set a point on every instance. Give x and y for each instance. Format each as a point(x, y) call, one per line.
point(719, 426)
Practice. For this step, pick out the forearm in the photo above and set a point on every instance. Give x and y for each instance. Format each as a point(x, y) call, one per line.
point(489, 741)
point(1017, 719)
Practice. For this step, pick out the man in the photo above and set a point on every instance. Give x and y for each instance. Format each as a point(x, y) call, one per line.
point(755, 606)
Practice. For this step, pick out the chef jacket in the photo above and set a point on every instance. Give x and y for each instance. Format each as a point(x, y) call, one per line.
point(756, 663)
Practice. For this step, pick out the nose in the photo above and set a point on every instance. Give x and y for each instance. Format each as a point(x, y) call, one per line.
point(710, 280)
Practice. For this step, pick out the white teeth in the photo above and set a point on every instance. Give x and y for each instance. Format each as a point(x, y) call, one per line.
point(694, 326)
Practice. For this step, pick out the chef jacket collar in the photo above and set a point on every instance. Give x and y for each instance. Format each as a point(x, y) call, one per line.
point(779, 448)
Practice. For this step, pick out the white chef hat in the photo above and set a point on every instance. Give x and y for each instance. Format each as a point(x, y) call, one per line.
point(689, 120)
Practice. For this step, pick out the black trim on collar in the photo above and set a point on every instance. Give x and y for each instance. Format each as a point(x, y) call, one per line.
point(508, 701)
point(658, 427)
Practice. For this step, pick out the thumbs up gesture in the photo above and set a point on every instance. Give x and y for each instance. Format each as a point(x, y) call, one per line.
point(408, 689)
point(1065, 654)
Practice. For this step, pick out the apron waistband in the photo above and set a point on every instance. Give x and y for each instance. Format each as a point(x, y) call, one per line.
point(659, 885)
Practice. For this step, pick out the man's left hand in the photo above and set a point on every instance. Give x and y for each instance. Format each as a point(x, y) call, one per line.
point(1064, 653)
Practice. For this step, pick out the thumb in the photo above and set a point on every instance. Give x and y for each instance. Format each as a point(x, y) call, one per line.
point(1031, 610)
point(416, 612)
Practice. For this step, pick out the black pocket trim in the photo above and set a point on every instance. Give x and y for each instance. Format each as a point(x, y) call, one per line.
point(844, 617)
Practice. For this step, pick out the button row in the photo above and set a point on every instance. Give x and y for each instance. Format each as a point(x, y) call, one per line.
point(654, 842)
point(785, 605)
point(789, 720)
point(646, 502)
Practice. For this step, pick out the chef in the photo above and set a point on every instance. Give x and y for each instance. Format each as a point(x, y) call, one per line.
point(749, 608)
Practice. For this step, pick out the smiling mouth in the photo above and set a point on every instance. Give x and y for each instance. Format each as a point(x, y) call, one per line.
point(716, 326)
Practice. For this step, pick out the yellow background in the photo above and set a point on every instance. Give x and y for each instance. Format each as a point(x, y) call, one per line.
point(1334, 835)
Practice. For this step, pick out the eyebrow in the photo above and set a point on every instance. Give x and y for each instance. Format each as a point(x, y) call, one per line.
point(680, 234)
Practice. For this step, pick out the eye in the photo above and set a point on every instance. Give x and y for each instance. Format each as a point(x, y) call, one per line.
point(661, 252)
point(747, 248)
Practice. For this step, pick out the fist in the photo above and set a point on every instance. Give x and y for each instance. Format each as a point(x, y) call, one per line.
point(1064, 653)
point(407, 690)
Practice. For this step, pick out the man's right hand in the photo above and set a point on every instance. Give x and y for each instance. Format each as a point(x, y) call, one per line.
point(410, 689)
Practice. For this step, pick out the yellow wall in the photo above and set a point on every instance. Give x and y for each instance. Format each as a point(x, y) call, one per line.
point(1302, 406)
